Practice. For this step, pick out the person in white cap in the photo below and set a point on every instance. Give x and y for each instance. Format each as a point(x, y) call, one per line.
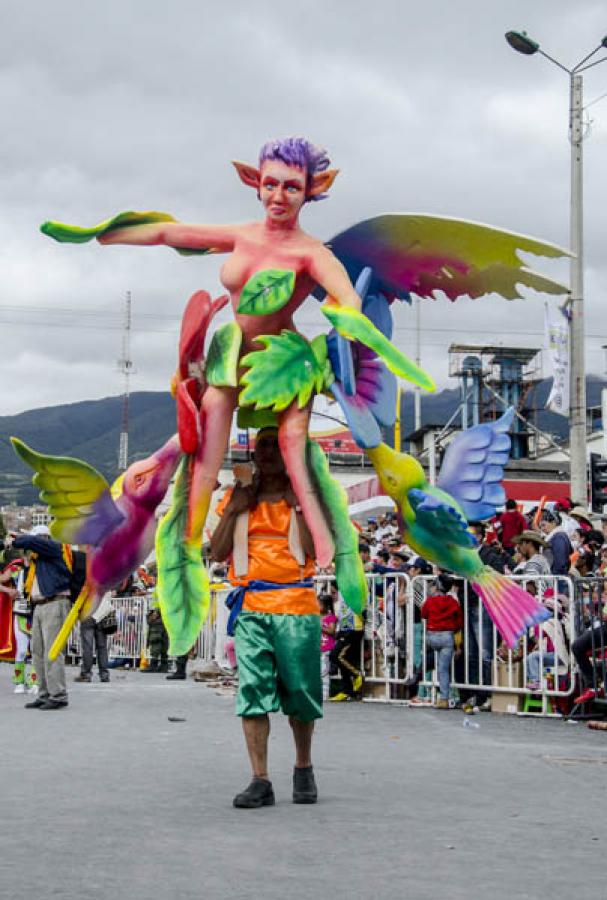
point(47, 586)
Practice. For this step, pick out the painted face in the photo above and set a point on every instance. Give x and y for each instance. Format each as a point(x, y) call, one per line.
point(282, 190)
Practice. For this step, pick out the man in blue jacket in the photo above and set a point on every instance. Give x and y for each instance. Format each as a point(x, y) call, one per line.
point(47, 585)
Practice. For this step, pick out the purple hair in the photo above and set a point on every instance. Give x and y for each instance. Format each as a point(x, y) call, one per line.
point(297, 151)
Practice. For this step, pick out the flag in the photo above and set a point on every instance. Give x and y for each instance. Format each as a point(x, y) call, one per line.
point(557, 345)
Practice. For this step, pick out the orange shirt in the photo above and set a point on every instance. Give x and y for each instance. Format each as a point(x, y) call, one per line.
point(270, 559)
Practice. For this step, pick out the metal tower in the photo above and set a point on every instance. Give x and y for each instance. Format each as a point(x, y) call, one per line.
point(125, 366)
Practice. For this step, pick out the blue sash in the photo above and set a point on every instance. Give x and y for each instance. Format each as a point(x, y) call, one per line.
point(235, 598)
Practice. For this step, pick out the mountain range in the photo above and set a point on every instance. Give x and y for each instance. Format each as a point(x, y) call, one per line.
point(90, 430)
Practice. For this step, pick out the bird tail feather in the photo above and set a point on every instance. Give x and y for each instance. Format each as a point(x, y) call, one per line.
point(512, 609)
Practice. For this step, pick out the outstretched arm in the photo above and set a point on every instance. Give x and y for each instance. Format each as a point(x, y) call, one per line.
point(330, 274)
point(174, 234)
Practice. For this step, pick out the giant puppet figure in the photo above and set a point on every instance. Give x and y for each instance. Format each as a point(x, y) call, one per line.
point(260, 364)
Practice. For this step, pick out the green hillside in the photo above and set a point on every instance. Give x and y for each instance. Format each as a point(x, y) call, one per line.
point(89, 430)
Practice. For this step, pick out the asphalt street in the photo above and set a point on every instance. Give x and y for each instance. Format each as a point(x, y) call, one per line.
point(110, 798)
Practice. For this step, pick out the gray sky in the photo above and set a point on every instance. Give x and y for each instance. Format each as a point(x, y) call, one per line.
point(141, 105)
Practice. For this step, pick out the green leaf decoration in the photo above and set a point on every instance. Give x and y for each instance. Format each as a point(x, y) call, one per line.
point(355, 326)
point(183, 583)
point(75, 234)
point(286, 370)
point(222, 359)
point(267, 292)
point(319, 349)
point(247, 417)
point(349, 570)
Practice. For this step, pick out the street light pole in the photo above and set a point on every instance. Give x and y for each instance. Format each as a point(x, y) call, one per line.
point(522, 43)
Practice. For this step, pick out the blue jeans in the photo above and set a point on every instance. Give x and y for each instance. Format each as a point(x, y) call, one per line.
point(480, 628)
point(442, 643)
point(533, 664)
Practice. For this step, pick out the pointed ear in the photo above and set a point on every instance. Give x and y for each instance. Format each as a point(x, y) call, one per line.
point(322, 181)
point(249, 175)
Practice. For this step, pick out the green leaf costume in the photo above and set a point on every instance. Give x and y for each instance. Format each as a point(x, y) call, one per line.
point(266, 292)
point(289, 368)
point(183, 583)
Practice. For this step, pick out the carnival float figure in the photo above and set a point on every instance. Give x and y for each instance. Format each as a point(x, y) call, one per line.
point(261, 365)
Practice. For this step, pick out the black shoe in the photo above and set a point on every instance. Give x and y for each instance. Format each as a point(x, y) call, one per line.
point(259, 793)
point(105, 679)
point(84, 676)
point(35, 704)
point(304, 786)
point(164, 667)
point(177, 676)
point(53, 704)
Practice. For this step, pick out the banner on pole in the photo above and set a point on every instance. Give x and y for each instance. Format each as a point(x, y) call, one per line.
point(557, 346)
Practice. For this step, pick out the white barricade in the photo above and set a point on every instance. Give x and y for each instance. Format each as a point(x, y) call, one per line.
point(541, 670)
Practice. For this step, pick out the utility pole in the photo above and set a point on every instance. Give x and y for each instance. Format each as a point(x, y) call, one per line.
point(125, 366)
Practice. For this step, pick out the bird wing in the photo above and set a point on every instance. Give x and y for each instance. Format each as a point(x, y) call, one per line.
point(414, 253)
point(473, 467)
point(78, 497)
point(436, 515)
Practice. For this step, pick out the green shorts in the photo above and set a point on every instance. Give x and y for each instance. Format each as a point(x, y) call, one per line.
point(278, 665)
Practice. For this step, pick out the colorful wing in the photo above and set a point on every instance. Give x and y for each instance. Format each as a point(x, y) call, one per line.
point(418, 254)
point(437, 516)
point(183, 583)
point(75, 234)
point(473, 467)
point(78, 496)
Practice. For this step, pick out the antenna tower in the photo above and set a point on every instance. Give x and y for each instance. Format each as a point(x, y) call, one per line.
point(125, 366)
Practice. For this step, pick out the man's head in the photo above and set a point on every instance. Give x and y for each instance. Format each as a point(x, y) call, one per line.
point(364, 552)
point(529, 543)
point(398, 560)
point(510, 504)
point(267, 456)
point(582, 516)
point(420, 566)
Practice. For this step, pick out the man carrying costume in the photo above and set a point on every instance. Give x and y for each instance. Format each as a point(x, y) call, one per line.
point(47, 586)
point(274, 617)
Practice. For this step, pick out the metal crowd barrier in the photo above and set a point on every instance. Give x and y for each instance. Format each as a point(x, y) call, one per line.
point(591, 628)
point(395, 651)
point(487, 667)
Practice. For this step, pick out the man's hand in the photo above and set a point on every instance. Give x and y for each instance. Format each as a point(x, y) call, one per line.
point(242, 499)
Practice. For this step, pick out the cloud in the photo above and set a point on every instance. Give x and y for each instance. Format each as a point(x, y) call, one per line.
point(129, 105)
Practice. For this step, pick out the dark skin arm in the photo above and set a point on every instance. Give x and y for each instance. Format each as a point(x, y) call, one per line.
point(242, 499)
point(222, 539)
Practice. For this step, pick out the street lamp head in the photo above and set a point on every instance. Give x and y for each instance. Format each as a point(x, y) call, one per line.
point(522, 43)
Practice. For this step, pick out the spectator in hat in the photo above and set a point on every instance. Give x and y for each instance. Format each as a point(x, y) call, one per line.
point(530, 545)
point(418, 567)
point(559, 545)
point(582, 517)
